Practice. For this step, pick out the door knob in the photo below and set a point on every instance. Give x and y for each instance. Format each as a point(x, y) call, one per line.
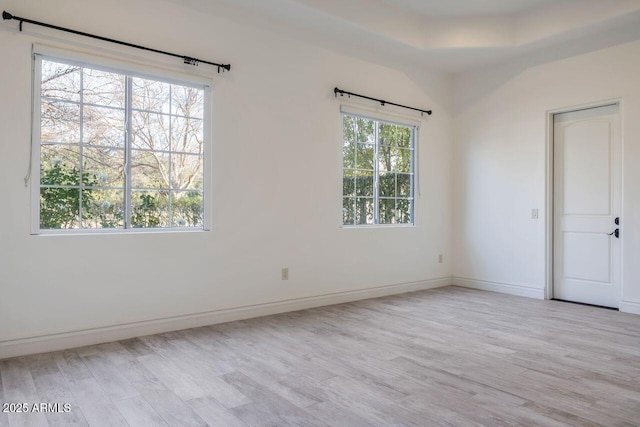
point(616, 233)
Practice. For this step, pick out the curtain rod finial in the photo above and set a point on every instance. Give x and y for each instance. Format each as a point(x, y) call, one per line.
point(6, 15)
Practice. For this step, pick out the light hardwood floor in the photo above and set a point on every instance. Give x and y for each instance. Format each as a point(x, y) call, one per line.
point(448, 356)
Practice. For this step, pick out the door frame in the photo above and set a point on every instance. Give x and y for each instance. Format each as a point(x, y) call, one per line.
point(549, 187)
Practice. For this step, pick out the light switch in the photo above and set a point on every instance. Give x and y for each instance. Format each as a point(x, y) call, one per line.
point(534, 213)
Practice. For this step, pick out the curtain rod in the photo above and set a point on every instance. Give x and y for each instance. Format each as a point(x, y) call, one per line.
point(187, 59)
point(337, 91)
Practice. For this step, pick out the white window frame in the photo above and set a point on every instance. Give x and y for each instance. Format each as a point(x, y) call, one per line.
point(108, 64)
point(384, 117)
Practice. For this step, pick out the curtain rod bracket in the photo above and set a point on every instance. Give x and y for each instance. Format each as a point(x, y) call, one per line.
point(191, 61)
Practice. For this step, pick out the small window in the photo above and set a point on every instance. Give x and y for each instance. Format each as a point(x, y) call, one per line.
point(117, 151)
point(378, 172)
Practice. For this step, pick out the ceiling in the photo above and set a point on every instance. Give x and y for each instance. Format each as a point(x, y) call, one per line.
point(466, 8)
point(451, 36)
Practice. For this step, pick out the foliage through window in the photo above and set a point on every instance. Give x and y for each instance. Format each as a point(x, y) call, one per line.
point(378, 172)
point(118, 151)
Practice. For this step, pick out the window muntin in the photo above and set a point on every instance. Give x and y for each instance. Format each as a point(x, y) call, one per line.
point(118, 151)
point(378, 172)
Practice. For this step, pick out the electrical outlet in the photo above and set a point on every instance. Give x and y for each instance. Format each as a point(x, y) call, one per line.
point(440, 258)
point(534, 213)
point(285, 273)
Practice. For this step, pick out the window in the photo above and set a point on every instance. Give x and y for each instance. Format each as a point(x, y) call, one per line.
point(378, 171)
point(117, 151)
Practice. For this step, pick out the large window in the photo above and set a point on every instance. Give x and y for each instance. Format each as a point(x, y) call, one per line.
point(118, 151)
point(378, 172)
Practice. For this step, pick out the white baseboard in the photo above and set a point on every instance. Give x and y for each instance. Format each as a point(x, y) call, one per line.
point(54, 342)
point(629, 306)
point(505, 288)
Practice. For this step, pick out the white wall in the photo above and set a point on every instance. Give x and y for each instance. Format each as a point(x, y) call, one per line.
point(276, 183)
point(500, 141)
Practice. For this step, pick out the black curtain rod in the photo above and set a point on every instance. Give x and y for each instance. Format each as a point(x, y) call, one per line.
point(337, 91)
point(187, 59)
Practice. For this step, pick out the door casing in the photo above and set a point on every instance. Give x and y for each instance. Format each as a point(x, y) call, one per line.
point(549, 206)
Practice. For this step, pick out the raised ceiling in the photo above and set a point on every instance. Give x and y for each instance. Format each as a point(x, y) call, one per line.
point(452, 36)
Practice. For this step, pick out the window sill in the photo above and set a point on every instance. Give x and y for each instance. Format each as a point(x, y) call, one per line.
point(367, 227)
point(129, 232)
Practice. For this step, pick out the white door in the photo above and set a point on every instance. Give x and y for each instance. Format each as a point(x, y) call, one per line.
point(587, 201)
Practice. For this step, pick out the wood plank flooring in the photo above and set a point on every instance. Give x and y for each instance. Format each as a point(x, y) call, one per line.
point(448, 356)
